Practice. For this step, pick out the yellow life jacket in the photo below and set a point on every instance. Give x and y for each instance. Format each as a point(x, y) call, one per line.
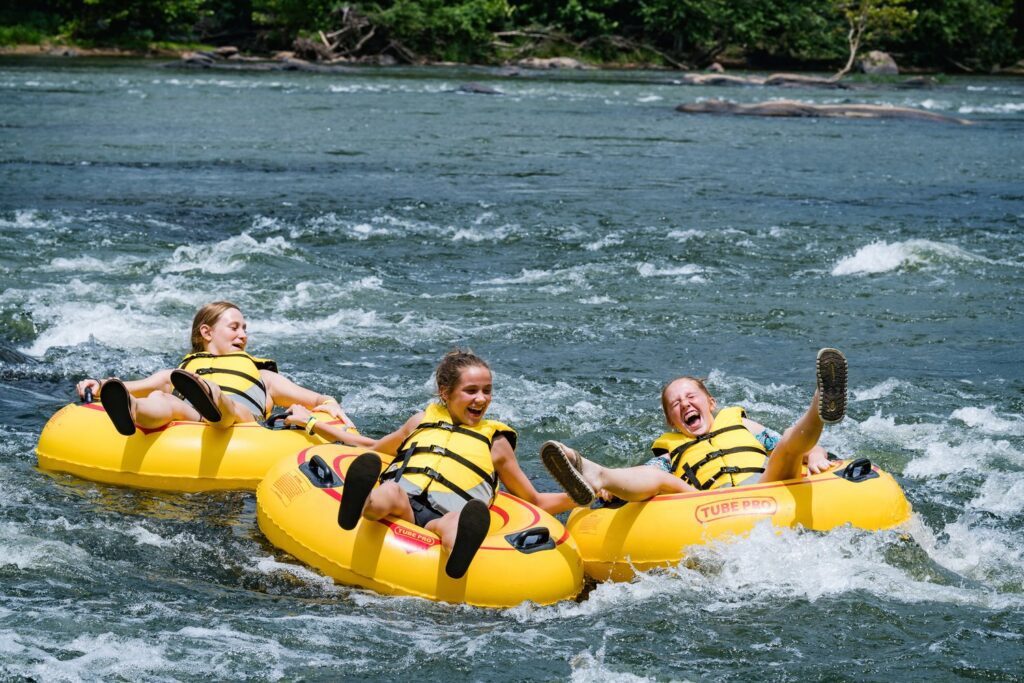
point(237, 374)
point(725, 456)
point(451, 463)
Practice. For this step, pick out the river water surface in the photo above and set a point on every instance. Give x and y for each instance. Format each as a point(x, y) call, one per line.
point(591, 243)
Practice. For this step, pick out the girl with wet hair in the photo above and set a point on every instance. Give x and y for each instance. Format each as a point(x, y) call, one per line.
point(217, 382)
point(707, 448)
point(450, 458)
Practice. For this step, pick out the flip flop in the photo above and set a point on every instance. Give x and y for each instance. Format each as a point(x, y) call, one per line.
point(830, 370)
point(566, 466)
point(474, 522)
point(359, 481)
point(117, 401)
point(197, 393)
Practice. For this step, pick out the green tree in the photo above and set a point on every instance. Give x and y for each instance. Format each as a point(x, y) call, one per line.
point(456, 30)
point(870, 20)
point(970, 34)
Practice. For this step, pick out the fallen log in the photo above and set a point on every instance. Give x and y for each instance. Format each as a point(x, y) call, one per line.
point(803, 109)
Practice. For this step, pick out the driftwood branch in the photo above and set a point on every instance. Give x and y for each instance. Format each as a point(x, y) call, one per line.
point(803, 109)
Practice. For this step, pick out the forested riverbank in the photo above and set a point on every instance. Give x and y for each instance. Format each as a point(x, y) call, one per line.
point(960, 36)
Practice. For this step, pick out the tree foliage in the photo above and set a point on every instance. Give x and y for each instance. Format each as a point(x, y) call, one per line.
point(969, 34)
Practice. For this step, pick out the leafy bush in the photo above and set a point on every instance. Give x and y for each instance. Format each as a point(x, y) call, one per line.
point(443, 29)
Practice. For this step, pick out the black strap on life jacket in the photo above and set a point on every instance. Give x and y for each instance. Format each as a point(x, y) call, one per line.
point(449, 427)
point(677, 453)
point(396, 474)
point(231, 390)
point(689, 472)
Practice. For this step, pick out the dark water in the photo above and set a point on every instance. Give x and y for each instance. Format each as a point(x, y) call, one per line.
point(590, 242)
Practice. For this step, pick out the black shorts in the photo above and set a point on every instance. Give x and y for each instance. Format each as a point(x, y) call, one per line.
point(422, 510)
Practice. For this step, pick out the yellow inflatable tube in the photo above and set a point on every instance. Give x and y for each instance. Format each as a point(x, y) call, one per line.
point(616, 542)
point(181, 456)
point(527, 555)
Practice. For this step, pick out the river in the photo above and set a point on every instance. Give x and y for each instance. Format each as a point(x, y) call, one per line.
point(590, 242)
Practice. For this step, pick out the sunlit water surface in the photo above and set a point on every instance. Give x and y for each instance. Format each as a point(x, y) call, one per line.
point(591, 243)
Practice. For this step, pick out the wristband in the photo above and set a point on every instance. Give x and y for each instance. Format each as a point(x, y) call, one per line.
point(310, 423)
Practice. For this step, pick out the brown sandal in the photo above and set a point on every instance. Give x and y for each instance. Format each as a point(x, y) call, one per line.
point(566, 466)
point(197, 392)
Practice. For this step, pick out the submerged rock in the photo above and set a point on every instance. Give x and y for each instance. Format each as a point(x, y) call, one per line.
point(878, 63)
point(478, 89)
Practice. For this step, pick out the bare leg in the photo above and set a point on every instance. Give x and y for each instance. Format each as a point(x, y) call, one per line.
point(389, 499)
point(581, 478)
point(632, 483)
point(787, 459)
point(827, 404)
point(446, 527)
point(159, 408)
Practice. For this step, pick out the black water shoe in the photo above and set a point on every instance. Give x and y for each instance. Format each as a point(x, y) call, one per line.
point(474, 522)
point(830, 370)
point(360, 479)
point(117, 401)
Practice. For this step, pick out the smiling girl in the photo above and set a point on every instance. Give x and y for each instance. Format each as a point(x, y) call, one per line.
point(218, 382)
point(706, 449)
point(450, 460)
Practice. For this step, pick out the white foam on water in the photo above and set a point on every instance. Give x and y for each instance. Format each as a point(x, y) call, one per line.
point(597, 300)
point(772, 563)
point(523, 401)
point(651, 270)
point(352, 322)
point(72, 323)
point(590, 667)
point(226, 256)
point(911, 436)
point(942, 458)
point(320, 295)
point(987, 421)
point(271, 566)
point(479, 233)
point(29, 219)
point(880, 390)
point(144, 536)
point(685, 235)
point(116, 264)
point(991, 557)
point(556, 281)
point(884, 257)
point(1002, 108)
point(1002, 494)
point(24, 551)
point(932, 105)
point(768, 565)
point(609, 240)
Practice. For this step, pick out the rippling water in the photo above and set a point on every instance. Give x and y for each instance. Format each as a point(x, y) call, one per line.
point(590, 242)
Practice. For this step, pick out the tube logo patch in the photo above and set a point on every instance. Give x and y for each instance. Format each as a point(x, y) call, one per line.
point(413, 541)
point(760, 506)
